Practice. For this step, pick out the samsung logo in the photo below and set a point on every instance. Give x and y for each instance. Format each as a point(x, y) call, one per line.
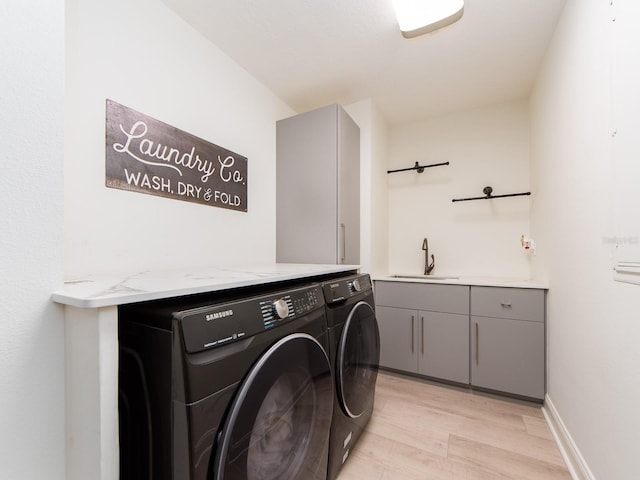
point(217, 315)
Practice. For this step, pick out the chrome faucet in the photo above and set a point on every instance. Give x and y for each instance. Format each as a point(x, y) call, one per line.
point(427, 268)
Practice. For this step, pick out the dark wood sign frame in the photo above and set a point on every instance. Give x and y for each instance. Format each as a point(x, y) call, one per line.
point(148, 156)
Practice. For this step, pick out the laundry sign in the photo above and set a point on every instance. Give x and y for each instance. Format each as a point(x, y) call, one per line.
point(148, 156)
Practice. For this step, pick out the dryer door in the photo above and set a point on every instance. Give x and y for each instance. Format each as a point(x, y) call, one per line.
point(357, 361)
point(278, 425)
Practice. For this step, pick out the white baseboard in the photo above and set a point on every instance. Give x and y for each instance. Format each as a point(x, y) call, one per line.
point(575, 462)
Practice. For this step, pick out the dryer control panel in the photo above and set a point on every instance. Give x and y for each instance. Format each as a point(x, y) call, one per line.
point(216, 325)
point(345, 288)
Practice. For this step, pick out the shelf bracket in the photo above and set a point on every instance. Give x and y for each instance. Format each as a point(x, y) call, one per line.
point(418, 167)
point(488, 195)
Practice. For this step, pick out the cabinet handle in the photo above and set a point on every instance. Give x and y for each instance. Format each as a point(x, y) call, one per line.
point(506, 304)
point(477, 344)
point(422, 335)
point(412, 332)
point(343, 254)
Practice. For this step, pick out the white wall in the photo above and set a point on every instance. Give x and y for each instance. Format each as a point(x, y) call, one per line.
point(142, 55)
point(593, 328)
point(32, 435)
point(373, 186)
point(488, 146)
point(378, 197)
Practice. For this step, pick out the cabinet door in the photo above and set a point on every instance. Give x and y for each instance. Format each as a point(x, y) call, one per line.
point(508, 355)
point(306, 188)
point(318, 188)
point(444, 346)
point(398, 336)
point(348, 189)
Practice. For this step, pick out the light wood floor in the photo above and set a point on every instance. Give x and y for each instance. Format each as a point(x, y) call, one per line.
point(420, 431)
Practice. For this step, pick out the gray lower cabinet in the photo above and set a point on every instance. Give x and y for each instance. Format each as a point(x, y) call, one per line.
point(433, 344)
point(489, 337)
point(424, 341)
point(444, 351)
point(397, 338)
point(507, 340)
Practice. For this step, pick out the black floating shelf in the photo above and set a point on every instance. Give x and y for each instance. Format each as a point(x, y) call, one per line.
point(488, 195)
point(418, 167)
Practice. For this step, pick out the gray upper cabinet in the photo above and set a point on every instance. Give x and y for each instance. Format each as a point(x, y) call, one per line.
point(318, 188)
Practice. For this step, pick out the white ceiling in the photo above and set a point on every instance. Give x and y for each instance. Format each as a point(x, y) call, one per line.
point(314, 52)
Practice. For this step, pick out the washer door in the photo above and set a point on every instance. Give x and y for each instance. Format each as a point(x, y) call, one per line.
point(278, 425)
point(357, 361)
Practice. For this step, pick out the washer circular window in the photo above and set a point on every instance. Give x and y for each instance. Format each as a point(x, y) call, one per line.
point(278, 425)
point(282, 429)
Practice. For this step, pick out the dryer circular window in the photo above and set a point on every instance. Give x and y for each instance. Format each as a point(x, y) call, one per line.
point(354, 350)
point(278, 424)
point(358, 354)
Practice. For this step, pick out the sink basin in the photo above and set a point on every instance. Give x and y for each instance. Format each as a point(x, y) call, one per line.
point(426, 277)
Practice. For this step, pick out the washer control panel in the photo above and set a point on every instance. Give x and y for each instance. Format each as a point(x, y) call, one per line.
point(216, 325)
point(290, 306)
point(281, 308)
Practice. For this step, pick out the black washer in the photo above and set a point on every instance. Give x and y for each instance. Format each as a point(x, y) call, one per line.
point(232, 386)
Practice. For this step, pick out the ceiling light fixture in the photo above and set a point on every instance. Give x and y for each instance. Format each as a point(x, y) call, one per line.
point(417, 17)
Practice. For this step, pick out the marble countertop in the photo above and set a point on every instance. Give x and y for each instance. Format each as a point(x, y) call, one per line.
point(110, 290)
point(462, 280)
